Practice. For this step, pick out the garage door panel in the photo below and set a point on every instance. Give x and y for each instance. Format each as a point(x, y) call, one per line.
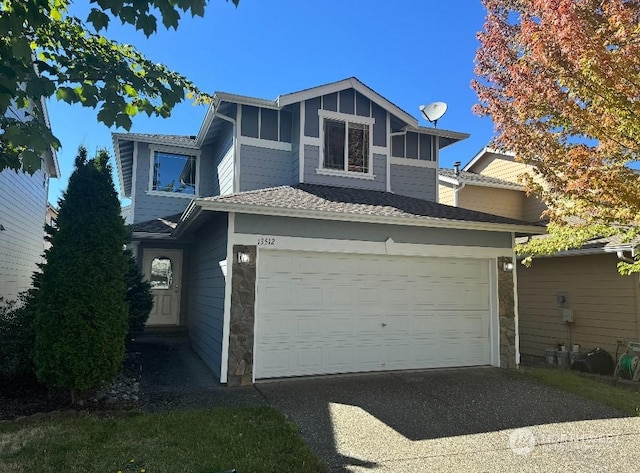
point(330, 313)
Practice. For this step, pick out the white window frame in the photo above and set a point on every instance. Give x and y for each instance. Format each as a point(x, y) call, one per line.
point(343, 117)
point(153, 149)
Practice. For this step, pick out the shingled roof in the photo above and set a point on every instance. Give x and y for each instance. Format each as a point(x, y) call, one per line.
point(157, 225)
point(318, 198)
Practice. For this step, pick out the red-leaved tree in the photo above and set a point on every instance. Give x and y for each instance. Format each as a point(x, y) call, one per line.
point(561, 81)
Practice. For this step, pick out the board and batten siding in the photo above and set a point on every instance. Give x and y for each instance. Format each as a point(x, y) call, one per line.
point(311, 175)
point(206, 291)
point(23, 202)
point(604, 303)
point(148, 206)
point(413, 181)
point(264, 167)
point(357, 231)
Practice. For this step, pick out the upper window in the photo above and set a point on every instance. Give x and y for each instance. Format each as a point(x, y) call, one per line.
point(347, 146)
point(174, 173)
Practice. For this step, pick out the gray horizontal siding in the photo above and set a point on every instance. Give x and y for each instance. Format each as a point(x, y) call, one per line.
point(147, 207)
point(413, 181)
point(225, 173)
point(312, 161)
point(206, 291)
point(331, 229)
point(264, 167)
point(23, 200)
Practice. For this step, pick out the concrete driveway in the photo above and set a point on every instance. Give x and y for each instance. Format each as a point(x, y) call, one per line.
point(467, 420)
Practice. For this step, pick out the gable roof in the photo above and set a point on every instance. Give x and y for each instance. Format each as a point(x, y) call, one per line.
point(160, 225)
point(474, 179)
point(484, 152)
point(353, 205)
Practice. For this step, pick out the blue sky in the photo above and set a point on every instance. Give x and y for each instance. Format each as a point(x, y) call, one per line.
point(410, 51)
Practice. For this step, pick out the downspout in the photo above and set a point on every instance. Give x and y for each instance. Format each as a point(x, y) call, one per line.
point(622, 257)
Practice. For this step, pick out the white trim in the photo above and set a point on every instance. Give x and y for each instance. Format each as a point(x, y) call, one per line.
point(345, 117)
point(172, 194)
point(301, 145)
point(256, 319)
point(439, 132)
point(388, 139)
point(134, 181)
point(515, 300)
point(379, 150)
point(417, 221)
point(236, 156)
point(226, 318)
point(244, 100)
point(311, 141)
point(262, 143)
point(484, 151)
point(494, 328)
point(339, 173)
point(371, 247)
point(413, 162)
point(461, 179)
point(188, 152)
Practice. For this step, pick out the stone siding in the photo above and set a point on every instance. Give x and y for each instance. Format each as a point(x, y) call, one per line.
point(507, 315)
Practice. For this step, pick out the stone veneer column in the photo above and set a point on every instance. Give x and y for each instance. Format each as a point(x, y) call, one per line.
point(243, 297)
point(507, 314)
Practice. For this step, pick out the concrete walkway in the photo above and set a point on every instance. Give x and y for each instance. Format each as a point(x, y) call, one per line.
point(455, 420)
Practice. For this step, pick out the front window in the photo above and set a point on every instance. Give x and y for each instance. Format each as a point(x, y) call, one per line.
point(161, 273)
point(346, 146)
point(174, 173)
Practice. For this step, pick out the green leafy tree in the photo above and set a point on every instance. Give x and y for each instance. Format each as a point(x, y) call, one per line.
point(81, 315)
point(48, 52)
point(139, 298)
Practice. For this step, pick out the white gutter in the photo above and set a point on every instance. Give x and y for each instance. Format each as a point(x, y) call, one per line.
point(622, 257)
point(458, 188)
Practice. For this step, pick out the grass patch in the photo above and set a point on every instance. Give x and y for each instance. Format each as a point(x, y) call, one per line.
point(248, 439)
point(619, 398)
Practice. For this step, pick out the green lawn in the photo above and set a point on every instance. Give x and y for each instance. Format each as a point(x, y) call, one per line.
point(620, 398)
point(207, 441)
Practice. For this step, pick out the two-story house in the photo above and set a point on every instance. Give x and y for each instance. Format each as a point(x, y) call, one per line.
point(604, 306)
point(23, 209)
point(302, 236)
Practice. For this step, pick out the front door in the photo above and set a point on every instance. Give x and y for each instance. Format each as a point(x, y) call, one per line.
point(163, 269)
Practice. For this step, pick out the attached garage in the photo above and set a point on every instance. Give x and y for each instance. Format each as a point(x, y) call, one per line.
point(322, 313)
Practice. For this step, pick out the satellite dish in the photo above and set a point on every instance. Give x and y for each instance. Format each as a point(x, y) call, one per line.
point(433, 112)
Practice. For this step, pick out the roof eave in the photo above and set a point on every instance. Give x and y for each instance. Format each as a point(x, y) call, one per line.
point(484, 151)
point(418, 221)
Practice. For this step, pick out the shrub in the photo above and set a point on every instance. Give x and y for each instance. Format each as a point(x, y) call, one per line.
point(81, 314)
point(139, 298)
point(17, 335)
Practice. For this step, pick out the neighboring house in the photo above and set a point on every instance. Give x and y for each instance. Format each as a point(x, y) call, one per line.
point(23, 208)
point(605, 305)
point(302, 236)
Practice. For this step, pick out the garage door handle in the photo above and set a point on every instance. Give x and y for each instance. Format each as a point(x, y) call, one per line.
point(383, 324)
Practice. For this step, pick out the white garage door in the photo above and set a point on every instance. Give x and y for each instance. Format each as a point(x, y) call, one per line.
point(319, 313)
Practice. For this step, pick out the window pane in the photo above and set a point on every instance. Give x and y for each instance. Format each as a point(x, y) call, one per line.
point(161, 273)
point(334, 134)
point(358, 147)
point(174, 173)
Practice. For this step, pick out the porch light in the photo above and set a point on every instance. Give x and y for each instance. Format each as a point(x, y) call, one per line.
point(244, 258)
point(507, 266)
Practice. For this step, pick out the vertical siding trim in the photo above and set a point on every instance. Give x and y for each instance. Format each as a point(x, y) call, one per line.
point(516, 311)
point(224, 356)
point(134, 172)
point(437, 156)
point(301, 145)
point(236, 152)
point(388, 127)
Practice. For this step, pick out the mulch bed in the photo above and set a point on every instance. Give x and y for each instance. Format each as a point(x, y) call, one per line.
point(25, 396)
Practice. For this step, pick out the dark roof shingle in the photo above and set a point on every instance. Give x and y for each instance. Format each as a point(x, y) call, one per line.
point(480, 179)
point(157, 225)
point(356, 201)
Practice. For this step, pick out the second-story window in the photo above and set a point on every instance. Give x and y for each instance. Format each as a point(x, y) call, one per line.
point(174, 173)
point(346, 146)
